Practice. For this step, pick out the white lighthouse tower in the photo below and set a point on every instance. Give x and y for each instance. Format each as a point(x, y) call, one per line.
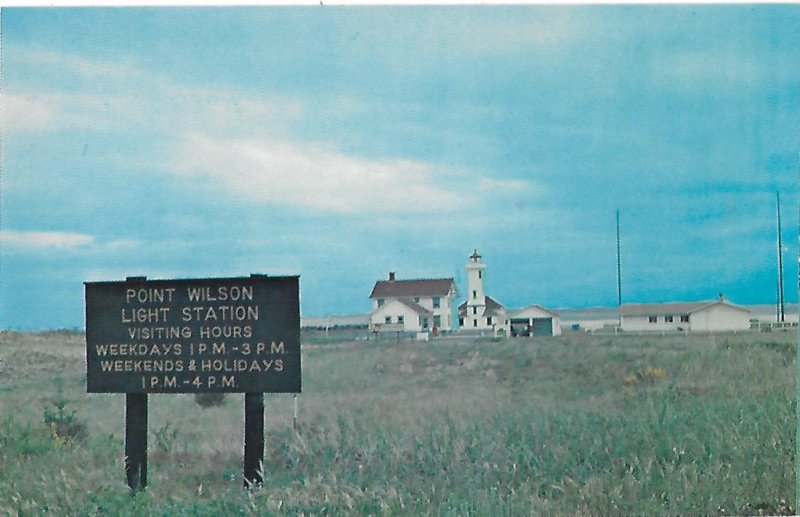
point(476, 298)
point(480, 312)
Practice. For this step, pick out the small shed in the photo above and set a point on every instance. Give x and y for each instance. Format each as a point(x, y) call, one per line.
point(534, 320)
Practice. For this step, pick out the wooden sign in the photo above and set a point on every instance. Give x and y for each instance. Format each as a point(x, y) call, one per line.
point(191, 336)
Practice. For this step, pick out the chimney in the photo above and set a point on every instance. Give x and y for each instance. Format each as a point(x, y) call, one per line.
point(391, 276)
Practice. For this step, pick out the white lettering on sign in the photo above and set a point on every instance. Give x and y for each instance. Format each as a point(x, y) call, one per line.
point(222, 293)
point(160, 332)
point(221, 313)
point(150, 295)
point(142, 315)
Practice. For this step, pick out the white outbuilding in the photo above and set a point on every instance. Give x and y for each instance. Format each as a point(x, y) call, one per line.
point(534, 320)
point(714, 316)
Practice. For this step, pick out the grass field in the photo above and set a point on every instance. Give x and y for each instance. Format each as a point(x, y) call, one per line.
point(578, 424)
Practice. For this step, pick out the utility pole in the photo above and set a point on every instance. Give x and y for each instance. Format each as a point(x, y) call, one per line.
point(619, 269)
point(781, 307)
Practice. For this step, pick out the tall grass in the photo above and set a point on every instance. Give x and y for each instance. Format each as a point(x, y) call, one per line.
point(548, 427)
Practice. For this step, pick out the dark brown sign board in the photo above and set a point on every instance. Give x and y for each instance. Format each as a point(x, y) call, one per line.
point(193, 336)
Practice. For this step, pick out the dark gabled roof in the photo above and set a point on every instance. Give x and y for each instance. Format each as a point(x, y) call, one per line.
point(659, 309)
point(411, 288)
point(492, 307)
point(414, 306)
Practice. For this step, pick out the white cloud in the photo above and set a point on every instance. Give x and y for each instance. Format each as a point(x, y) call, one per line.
point(486, 183)
point(26, 112)
point(58, 111)
point(44, 240)
point(94, 69)
point(121, 96)
point(315, 176)
point(242, 142)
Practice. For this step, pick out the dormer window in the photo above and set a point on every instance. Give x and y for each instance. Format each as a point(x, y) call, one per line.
point(437, 302)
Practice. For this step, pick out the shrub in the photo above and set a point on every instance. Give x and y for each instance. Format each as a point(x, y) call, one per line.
point(165, 437)
point(646, 375)
point(207, 400)
point(64, 427)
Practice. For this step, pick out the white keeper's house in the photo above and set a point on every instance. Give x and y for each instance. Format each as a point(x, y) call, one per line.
point(713, 316)
point(480, 312)
point(417, 305)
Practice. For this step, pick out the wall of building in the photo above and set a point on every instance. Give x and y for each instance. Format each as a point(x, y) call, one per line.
point(643, 323)
point(499, 321)
point(393, 309)
point(719, 318)
point(446, 310)
point(715, 318)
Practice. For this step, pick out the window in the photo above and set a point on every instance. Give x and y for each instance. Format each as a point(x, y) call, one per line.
point(474, 309)
point(424, 323)
point(652, 319)
point(380, 301)
point(474, 294)
point(387, 319)
point(488, 320)
point(437, 321)
point(437, 302)
point(475, 322)
point(401, 319)
point(460, 322)
point(480, 274)
point(685, 318)
point(668, 318)
point(416, 299)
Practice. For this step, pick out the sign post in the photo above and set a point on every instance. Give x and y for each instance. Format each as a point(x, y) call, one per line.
point(230, 335)
point(253, 438)
point(136, 440)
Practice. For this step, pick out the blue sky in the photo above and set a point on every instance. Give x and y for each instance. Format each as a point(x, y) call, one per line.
point(340, 143)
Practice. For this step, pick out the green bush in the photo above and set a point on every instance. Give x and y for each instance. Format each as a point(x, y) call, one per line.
point(64, 427)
